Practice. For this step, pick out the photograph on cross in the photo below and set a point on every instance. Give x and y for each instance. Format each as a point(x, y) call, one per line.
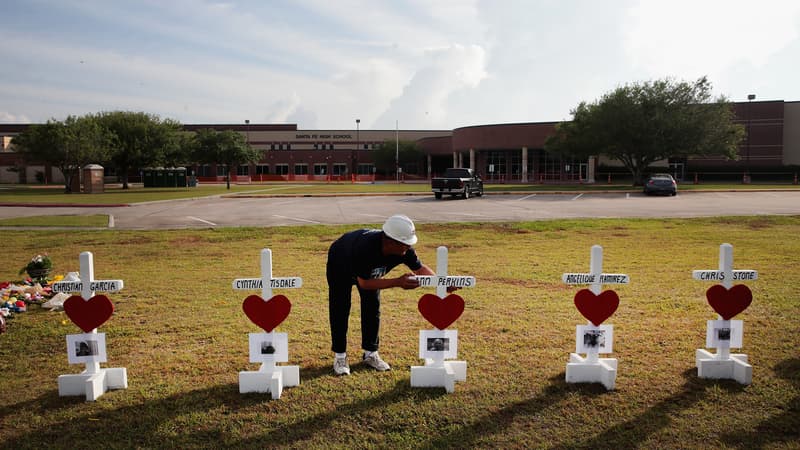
point(86, 348)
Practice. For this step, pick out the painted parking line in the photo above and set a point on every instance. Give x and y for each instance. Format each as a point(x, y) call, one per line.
point(110, 221)
point(526, 197)
point(296, 218)
point(201, 220)
point(465, 214)
point(372, 215)
point(283, 203)
point(577, 197)
point(343, 200)
point(255, 191)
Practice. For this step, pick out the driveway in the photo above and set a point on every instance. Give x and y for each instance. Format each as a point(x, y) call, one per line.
point(275, 211)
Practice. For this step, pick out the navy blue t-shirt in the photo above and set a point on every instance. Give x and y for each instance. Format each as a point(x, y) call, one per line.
point(359, 254)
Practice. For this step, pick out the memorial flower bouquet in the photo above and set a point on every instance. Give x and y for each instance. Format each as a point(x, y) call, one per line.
point(38, 267)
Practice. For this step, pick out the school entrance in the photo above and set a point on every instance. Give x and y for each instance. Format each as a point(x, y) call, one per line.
point(506, 166)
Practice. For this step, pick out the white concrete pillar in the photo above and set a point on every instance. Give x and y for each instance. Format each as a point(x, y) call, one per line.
point(524, 165)
point(590, 171)
point(429, 167)
point(455, 159)
point(472, 159)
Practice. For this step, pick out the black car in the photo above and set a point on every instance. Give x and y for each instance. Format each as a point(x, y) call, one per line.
point(661, 183)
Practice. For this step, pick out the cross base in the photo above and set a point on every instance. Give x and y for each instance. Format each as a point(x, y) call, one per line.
point(272, 381)
point(603, 371)
point(733, 368)
point(445, 374)
point(93, 385)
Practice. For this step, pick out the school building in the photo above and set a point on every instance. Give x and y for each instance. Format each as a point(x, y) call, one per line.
point(501, 153)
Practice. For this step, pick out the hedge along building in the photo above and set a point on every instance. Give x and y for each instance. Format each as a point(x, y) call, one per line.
point(512, 153)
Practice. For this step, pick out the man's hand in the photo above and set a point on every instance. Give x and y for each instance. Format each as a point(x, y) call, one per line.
point(407, 281)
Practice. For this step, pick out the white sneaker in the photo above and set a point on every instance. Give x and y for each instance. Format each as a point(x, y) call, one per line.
point(375, 361)
point(340, 366)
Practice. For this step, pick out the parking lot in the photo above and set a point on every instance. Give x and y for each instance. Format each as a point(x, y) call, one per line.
point(276, 211)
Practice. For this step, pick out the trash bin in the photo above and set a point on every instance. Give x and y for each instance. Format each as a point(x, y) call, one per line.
point(93, 179)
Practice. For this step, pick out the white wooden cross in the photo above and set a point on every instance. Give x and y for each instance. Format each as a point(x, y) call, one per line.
point(269, 377)
point(595, 279)
point(437, 372)
point(593, 369)
point(87, 285)
point(93, 379)
point(441, 281)
point(725, 276)
point(724, 365)
point(266, 282)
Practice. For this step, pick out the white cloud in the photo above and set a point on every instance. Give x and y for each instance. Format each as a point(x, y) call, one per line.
point(427, 64)
point(707, 37)
point(280, 110)
point(6, 117)
point(423, 102)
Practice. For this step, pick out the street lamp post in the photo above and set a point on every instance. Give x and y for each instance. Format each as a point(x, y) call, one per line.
point(358, 143)
point(397, 150)
point(247, 133)
point(750, 98)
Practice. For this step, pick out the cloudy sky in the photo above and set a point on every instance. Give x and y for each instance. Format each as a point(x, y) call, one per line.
point(419, 64)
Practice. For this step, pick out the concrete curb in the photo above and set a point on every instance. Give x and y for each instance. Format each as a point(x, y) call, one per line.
point(374, 194)
point(403, 194)
point(64, 205)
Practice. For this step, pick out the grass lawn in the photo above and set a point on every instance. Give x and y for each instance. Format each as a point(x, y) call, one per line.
point(27, 194)
point(95, 220)
point(179, 329)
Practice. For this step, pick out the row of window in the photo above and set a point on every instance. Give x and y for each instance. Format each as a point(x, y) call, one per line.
point(318, 146)
point(337, 169)
point(547, 166)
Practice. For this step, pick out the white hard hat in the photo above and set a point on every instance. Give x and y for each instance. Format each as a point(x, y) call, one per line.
point(401, 229)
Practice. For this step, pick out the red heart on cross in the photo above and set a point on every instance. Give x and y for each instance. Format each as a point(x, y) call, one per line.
point(441, 312)
point(596, 308)
point(267, 314)
point(729, 302)
point(88, 314)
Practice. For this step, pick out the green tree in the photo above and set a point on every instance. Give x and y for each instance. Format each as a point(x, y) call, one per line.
point(179, 151)
point(139, 140)
point(389, 152)
point(67, 145)
point(228, 148)
point(641, 123)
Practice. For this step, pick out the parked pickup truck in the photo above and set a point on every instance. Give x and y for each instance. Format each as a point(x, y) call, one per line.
point(457, 182)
